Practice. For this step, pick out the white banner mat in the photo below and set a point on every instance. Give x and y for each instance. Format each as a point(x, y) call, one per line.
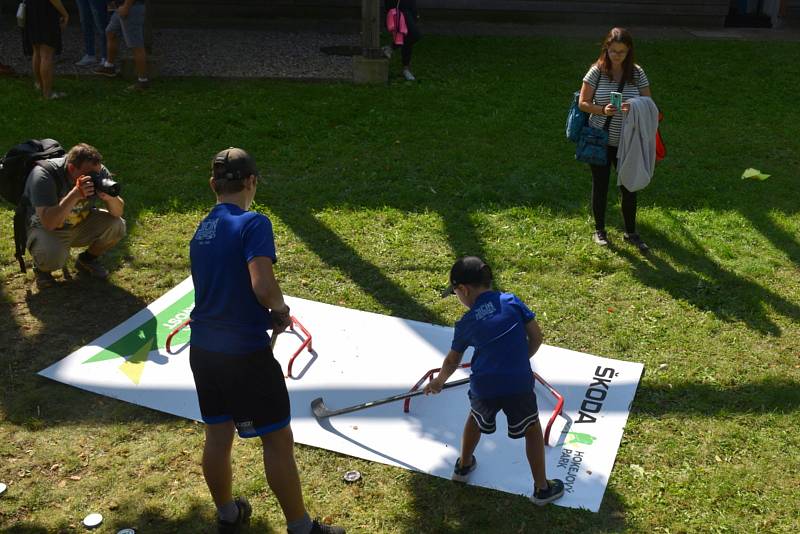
point(360, 356)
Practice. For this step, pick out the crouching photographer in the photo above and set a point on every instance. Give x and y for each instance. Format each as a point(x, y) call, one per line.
point(72, 202)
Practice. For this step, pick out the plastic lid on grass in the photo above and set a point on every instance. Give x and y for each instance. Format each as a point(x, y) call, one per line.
point(352, 476)
point(3, 488)
point(92, 520)
point(126, 531)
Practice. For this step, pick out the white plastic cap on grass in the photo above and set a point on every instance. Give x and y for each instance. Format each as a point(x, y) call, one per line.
point(92, 520)
point(3, 488)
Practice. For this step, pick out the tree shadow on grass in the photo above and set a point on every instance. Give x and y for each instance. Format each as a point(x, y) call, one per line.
point(445, 507)
point(336, 253)
point(768, 396)
point(68, 316)
point(198, 519)
point(689, 274)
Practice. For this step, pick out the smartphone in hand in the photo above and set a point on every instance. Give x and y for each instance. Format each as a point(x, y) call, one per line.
point(616, 99)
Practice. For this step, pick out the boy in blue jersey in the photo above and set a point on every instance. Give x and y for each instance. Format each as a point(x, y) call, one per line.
point(505, 335)
point(239, 383)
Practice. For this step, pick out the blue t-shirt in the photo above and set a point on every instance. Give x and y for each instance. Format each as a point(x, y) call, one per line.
point(495, 327)
point(227, 316)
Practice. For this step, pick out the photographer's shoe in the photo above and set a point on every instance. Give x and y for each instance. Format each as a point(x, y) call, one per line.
point(554, 491)
point(91, 266)
point(105, 71)
point(43, 279)
point(232, 527)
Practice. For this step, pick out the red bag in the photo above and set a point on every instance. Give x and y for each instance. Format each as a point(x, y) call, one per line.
point(661, 149)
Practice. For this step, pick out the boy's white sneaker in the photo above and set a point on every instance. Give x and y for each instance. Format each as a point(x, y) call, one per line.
point(86, 61)
point(408, 76)
point(461, 474)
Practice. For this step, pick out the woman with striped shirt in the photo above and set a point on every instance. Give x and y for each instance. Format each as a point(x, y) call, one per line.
point(614, 65)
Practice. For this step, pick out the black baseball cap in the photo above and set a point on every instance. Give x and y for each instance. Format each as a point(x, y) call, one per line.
point(468, 270)
point(233, 164)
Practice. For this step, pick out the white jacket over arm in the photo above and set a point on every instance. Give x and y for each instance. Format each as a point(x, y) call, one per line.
point(637, 144)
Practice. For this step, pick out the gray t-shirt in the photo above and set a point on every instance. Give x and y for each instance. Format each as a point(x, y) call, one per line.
point(46, 185)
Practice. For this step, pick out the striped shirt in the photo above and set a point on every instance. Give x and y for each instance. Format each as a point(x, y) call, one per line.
point(602, 97)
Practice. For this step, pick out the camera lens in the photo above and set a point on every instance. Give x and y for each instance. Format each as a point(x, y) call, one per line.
point(104, 184)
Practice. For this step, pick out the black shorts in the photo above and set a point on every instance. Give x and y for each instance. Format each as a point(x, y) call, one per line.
point(521, 412)
point(248, 389)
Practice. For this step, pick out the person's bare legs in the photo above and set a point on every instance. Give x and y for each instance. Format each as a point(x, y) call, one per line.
point(46, 69)
point(281, 471)
point(469, 440)
point(112, 45)
point(534, 450)
point(37, 75)
point(140, 61)
point(217, 462)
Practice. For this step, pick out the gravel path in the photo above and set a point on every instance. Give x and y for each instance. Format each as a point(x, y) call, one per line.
point(298, 55)
point(216, 53)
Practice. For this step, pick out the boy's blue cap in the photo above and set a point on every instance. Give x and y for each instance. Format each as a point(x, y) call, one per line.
point(468, 270)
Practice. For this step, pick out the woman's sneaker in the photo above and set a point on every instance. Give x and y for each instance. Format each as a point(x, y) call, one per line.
point(322, 528)
point(636, 241)
point(461, 474)
point(86, 61)
point(102, 70)
point(245, 511)
point(600, 237)
point(555, 489)
point(408, 75)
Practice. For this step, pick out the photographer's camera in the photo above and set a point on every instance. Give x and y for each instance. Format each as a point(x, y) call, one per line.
point(104, 184)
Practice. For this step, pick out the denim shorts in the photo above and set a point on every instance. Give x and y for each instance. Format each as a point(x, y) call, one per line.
point(131, 27)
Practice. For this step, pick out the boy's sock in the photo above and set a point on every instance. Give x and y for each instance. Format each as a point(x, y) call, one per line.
point(300, 526)
point(228, 512)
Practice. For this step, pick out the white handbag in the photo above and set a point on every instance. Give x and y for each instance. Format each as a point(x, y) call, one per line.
point(21, 14)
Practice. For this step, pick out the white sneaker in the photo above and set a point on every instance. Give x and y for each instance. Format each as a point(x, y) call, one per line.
point(408, 76)
point(387, 51)
point(86, 61)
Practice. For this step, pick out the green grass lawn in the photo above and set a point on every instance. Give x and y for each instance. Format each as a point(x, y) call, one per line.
point(373, 192)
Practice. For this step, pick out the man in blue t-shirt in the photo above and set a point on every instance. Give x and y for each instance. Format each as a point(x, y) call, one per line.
point(239, 383)
point(505, 335)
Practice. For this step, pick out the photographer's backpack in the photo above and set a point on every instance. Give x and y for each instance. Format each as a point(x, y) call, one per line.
point(14, 169)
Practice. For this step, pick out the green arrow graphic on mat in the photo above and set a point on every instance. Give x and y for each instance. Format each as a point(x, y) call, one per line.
point(579, 438)
point(135, 346)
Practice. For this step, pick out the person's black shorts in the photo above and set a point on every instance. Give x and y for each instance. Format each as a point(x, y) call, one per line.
point(521, 412)
point(248, 389)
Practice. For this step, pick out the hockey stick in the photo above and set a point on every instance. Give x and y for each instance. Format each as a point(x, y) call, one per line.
point(321, 411)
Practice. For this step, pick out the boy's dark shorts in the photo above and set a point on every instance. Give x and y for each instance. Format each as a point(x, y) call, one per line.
point(521, 412)
point(248, 389)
